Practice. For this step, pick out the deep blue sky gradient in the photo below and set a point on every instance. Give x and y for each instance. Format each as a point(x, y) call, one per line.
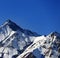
point(41, 16)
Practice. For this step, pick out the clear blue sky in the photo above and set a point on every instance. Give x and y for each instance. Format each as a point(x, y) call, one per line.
point(41, 16)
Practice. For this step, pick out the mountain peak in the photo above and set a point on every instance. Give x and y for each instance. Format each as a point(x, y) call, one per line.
point(54, 34)
point(15, 27)
point(8, 20)
point(11, 24)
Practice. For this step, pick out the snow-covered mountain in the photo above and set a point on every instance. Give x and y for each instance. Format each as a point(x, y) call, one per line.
point(14, 39)
point(44, 47)
point(16, 42)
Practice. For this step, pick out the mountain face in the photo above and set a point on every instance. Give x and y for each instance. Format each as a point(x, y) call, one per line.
point(16, 42)
point(44, 47)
